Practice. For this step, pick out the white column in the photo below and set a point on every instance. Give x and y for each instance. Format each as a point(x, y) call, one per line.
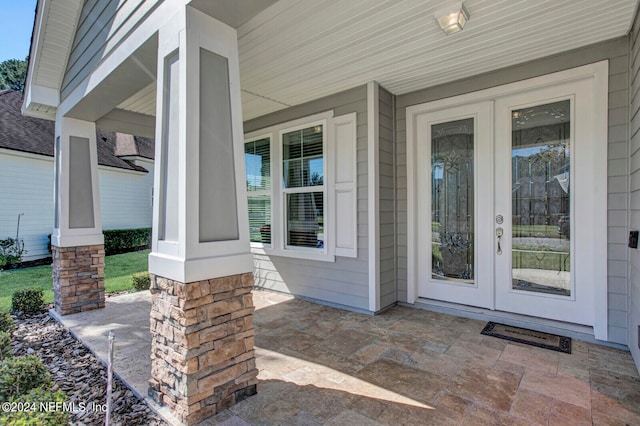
point(200, 223)
point(77, 220)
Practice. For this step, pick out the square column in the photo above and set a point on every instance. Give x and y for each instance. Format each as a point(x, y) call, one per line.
point(77, 243)
point(202, 269)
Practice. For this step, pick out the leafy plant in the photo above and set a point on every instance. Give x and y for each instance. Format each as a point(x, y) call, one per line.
point(5, 345)
point(11, 252)
point(38, 417)
point(6, 322)
point(18, 375)
point(28, 300)
point(141, 281)
point(125, 240)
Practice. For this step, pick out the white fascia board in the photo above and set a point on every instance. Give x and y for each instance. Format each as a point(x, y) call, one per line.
point(121, 170)
point(33, 93)
point(34, 53)
point(23, 154)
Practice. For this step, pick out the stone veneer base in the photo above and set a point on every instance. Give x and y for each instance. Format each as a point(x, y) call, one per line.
point(202, 345)
point(78, 278)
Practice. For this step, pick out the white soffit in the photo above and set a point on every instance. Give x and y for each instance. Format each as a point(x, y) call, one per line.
point(62, 16)
point(297, 51)
point(143, 102)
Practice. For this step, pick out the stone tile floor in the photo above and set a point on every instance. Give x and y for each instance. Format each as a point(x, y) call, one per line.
point(320, 365)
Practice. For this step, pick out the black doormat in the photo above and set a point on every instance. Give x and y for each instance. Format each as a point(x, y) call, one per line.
point(528, 337)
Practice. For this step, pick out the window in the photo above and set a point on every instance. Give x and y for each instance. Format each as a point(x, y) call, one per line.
point(257, 155)
point(303, 187)
point(302, 204)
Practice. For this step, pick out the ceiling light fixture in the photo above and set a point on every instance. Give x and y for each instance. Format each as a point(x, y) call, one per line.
point(452, 18)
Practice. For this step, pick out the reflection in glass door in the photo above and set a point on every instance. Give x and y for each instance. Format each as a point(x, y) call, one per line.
point(541, 193)
point(452, 206)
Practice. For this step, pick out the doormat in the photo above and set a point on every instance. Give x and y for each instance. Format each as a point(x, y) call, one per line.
point(528, 337)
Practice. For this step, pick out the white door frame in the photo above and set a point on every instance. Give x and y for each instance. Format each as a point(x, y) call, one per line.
point(480, 293)
point(597, 74)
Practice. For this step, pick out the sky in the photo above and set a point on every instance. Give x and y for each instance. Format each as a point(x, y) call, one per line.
point(15, 31)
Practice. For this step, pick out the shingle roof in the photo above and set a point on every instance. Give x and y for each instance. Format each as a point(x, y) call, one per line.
point(36, 136)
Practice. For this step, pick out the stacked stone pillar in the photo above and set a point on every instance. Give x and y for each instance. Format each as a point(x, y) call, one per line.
point(78, 278)
point(202, 352)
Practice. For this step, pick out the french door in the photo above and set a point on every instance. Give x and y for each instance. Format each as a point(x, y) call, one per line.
point(505, 209)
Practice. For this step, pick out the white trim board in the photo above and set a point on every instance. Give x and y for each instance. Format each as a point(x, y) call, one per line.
point(373, 198)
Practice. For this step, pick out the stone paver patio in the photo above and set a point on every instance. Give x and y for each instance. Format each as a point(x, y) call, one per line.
point(320, 365)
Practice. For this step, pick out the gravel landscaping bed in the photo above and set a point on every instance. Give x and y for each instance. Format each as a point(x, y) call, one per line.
point(78, 373)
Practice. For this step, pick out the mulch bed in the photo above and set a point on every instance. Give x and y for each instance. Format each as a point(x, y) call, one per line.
point(78, 373)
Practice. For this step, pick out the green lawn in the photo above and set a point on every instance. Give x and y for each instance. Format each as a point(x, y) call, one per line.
point(117, 276)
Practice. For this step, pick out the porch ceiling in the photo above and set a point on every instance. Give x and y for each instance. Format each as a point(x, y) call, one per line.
point(296, 51)
point(299, 50)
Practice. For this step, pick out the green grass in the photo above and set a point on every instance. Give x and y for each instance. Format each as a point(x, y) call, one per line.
point(549, 231)
point(117, 276)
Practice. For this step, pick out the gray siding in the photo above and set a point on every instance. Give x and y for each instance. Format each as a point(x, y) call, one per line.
point(616, 51)
point(634, 187)
point(386, 185)
point(345, 282)
point(103, 24)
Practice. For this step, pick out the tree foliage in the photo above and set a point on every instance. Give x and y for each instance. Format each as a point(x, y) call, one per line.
point(12, 74)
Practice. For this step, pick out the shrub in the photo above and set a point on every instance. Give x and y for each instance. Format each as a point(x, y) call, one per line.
point(27, 300)
point(141, 281)
point(21, 374)
point(11, 252)
point(126, 240)
point(5, 345)
point(54, 417)
point(6, 322)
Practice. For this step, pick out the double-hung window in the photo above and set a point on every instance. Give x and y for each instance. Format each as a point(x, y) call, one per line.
point(303, 187)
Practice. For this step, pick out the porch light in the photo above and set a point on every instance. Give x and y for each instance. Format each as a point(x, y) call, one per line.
point(452, 18)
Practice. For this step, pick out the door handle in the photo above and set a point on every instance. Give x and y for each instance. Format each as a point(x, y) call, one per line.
point(499, 233)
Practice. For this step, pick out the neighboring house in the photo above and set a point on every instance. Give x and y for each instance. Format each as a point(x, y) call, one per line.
point(26, 172)
point(353, 154)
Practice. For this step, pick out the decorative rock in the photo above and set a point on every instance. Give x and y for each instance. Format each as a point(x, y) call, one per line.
point(78, 373)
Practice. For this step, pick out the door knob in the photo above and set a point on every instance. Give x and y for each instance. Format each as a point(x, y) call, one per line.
point(499, 233)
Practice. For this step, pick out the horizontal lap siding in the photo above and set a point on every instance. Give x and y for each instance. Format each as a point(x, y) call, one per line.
point(125, 198)
point(27, 187)
point(345, 281)
point(616, 51)
point(634, 173)
point(103, 24)
point(386, 186)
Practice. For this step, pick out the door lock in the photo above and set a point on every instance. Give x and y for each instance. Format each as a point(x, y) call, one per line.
point(499, 219)
point(499, 233)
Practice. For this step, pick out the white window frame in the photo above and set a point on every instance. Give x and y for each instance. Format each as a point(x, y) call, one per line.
point(278, 193)
point(266, 192)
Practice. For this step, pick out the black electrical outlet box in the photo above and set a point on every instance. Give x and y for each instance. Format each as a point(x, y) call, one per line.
point(633, 239)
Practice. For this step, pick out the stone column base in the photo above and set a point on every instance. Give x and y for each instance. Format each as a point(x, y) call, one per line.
point(78, 278)
point(202, 337)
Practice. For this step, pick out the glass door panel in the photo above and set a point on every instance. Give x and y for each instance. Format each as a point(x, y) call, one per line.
point(540, 198)
point(452, 201)
point(454, 182)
